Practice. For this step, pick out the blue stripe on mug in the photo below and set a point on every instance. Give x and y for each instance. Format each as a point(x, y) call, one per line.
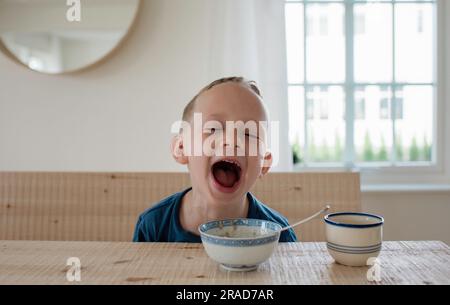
point(361, 251)
point(354, 252)
point(353, 247)
point(347, 249)
point(329, 220)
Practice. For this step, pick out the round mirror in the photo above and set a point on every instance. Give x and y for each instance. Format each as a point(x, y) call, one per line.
point(58, 36)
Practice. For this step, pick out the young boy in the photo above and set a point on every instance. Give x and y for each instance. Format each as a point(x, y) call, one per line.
point(220, 182)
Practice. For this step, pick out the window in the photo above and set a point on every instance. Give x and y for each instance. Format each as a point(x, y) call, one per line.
point(360, 25)
point(420, 21)
point(323, 26)
point(323, 109)
point(399, 107)
point(384, 109)
point(360, 108)
point(372, 61)
point(310, 109)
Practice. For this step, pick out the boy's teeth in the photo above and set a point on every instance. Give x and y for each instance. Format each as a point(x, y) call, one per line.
point(231, 161)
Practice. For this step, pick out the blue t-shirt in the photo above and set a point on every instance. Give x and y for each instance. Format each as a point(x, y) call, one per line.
point(161, 223)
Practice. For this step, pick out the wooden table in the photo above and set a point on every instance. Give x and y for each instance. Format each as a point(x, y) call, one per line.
point(44, 262)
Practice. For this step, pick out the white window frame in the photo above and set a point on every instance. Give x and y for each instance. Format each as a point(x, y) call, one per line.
point(436, 173)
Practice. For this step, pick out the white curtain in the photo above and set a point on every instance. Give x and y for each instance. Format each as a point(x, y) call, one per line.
point(247, 38)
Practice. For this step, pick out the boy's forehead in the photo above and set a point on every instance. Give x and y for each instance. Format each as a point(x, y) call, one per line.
point(231, 101)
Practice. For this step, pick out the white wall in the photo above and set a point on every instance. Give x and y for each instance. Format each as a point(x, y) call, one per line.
point(114, 117)
point(117, 116)
point(411, 215)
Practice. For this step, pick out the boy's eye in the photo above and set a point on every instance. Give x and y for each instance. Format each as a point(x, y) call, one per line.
point(211, 130)
point(252, 136)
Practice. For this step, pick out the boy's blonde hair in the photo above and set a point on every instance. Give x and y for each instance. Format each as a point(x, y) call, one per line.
point(187, 112)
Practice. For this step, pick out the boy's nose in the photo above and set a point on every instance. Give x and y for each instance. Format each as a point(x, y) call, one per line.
point(234, 139)
point(232, 142)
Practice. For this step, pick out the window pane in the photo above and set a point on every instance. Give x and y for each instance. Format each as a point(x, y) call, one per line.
point(325, 43)
point(296, 122)
point(373, 42)
point(414, 42)
point(373, 134)
point(326, 125)
point(294, 39)
point(414, 123)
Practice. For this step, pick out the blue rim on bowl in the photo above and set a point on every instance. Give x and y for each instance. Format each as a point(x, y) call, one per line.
point(379, 220)
point(240, 241)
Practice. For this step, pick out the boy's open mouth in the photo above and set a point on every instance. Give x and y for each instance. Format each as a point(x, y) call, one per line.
point(226, 173)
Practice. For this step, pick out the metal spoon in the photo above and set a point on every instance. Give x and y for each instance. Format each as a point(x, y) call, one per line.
point(326, 208)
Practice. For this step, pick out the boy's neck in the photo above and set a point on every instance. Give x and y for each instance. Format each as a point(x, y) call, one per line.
point(196, 210)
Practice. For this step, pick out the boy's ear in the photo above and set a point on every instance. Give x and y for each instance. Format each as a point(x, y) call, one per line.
point(267, 163)
point(177, 149)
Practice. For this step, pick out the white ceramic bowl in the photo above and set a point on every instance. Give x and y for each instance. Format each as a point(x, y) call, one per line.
point(353, 238)
point(240, 244)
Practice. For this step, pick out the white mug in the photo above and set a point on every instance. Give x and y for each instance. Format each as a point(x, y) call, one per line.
point(354, 238)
